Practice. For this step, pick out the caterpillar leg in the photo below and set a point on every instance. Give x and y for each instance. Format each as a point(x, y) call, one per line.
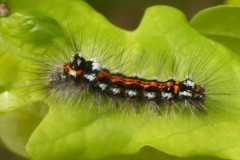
point(155, 106)
point(97, 97)
point(200, 107)
point(115, 101)
point(135, 104)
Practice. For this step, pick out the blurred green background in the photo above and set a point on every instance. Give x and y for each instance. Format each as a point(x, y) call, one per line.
point(127, 14)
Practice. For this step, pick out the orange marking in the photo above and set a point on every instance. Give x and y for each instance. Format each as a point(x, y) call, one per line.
point(153, 83)
point(68, 68)
point(169, 84)
point(198, 89)
point(117, 78)
point(176, 87)
point(102, 74)
point(132, 81)
point(79, 72)
point(128, 81)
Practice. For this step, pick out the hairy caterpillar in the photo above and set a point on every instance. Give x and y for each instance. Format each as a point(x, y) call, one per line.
point(74, 75)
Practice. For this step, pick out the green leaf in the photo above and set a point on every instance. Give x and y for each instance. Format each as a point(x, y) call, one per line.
point(220, 24)
point(80, 131)
point(17, 126)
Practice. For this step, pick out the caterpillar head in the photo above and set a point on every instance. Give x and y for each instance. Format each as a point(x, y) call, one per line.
point(69, 73)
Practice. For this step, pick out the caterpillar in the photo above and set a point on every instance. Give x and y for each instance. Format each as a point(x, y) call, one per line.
point(89, 74)
point(67, 78)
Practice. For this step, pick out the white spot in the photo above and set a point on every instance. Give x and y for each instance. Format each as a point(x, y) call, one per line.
point(166, 95)
point(198, 96)
point(115, 90)
point(79, 62)
point(79, 53)
point(131, 93)
point(62, 77)
point(95, 64)
point(149, 95)
point(102, 86)
point(185, 93)
point(189, 83)
point(90, 77)
point(73, 73)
